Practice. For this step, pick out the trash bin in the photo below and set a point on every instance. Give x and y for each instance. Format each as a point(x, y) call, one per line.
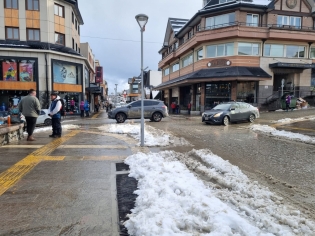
point(293, 101)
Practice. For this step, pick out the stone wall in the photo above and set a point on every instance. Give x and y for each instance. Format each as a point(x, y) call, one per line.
point(9, 134)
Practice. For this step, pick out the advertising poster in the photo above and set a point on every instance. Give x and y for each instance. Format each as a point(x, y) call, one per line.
point(26, 72)
point(64, 73)
point(9, 71)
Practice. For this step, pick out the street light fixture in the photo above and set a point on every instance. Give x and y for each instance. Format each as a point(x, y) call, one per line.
point(142, 20)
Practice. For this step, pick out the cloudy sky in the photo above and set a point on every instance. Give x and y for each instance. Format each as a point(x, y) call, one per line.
point(114, 35)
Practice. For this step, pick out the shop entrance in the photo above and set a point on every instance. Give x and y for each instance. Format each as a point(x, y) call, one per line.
point(277, 82)
point(72, 102)
point(217, 93)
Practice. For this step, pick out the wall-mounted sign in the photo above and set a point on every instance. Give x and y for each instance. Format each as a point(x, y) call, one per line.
point(219, 63)
point(64, 73)
point(291, 3)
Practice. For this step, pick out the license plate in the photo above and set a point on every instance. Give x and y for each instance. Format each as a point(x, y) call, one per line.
point(206, 118)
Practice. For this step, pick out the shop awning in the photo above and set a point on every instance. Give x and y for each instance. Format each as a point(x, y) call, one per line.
point(292, 65)
point(240, 73)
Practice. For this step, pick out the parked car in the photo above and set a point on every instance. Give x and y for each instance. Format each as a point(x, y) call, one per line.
point(154, 110)
point(44, 118)
point(230, 112)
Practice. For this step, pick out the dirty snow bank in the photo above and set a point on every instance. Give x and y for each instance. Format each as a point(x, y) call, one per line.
point(173, 201)
point(48, 128)
point(152, 136)
point(284, 134)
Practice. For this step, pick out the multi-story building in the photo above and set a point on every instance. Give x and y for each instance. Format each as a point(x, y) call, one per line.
point(89, 70)
point(40, 49)
point(251, 51)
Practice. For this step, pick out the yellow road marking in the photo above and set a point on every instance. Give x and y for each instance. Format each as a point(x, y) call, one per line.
point(92, 147)
point(95, 115)
point(15, 173)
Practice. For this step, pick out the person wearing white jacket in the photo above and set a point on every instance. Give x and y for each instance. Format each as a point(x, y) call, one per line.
point(54, 112)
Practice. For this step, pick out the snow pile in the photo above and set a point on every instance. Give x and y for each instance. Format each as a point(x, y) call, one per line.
point(288, 120)
point(284, 134)
point(173, 201)
point(152, 137)
point(49, 128)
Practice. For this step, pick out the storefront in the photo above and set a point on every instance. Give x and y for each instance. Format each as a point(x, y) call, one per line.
point(18, 75)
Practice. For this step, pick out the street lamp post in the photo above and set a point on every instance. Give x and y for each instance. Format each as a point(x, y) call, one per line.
point(142, 20)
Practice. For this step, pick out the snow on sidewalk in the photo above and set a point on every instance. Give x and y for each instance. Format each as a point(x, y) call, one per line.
point(152, 137)
point(284, 134)
point(174, 201)
point(48, 128)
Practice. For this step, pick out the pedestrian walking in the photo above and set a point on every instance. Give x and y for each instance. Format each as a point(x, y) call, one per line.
point(87, 108)
point(72, 104)
point(288, 102)
point(55, 114)
point(173, 106)
point(177, 109)
point(189, 108)
point(82, 109)
point(29, 106)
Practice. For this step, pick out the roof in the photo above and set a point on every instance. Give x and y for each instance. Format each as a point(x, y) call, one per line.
point(222, 72)
point(76, 10)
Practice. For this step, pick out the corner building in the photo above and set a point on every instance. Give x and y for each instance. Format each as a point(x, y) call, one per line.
point(250, 51)
point(40, 49)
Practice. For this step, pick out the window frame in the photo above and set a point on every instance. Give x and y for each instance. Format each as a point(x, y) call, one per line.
point(6, 33)
point(166, 71)
point(6, 7)
point(189, 58)
point(27, 34)
point(26, 5)
point(64, 39)
point(289, 18)
point(172, 66)
point(251, 23)
point(63, 10)
point(285, 50)
point(72, 18)
point(197, 54)
point(216, 26)
point(252, 49)
point(216, 50)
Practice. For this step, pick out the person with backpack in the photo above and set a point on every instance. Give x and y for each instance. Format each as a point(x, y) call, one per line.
point(87, 108)
point(55, 113)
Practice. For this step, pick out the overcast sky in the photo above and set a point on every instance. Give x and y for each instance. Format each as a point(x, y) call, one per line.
point(115, 19)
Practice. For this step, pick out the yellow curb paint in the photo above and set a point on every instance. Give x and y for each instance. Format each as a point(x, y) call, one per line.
point(15, 173)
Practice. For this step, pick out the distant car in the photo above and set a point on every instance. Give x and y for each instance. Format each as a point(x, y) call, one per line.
point(44, 118)
point(230, 112)
point(154, 110)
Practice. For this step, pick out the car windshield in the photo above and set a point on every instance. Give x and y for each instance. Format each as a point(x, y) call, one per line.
point(223, 107)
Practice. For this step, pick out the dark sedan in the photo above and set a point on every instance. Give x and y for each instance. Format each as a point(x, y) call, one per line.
point(230, 112)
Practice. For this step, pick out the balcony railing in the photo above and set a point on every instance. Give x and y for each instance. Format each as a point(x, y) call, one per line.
point(237, 23)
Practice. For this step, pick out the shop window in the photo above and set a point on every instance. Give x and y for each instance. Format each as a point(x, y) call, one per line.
point(17, 70)
point(248, 49)
point(252, 20)
point(188, 60)
point(246, 92)
point(166, 71)
point(217, 93)
point(33, 34)
point(12, 33)
point(13, 4)
point(175, 67)
point(292, 21)
point(66, 73)
point(220, 50)
point(32, 5)
point(200, 54)
point(59, 38)
point(220, 21)
point(59, 10)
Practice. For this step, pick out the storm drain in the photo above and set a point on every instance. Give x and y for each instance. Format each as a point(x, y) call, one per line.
point(122, 167)
point(126, 199)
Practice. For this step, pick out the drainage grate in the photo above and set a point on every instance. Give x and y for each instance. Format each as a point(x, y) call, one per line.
point(126, 199)
point(122, 167)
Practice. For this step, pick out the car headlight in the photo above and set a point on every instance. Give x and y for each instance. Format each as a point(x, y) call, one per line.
point(203, 114)
point(218, 114)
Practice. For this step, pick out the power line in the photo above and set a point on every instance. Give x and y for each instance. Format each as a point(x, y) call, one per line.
point(125, 40)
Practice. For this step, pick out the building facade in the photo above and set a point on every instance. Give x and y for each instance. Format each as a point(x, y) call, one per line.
point(40, 49)
point(252, 51)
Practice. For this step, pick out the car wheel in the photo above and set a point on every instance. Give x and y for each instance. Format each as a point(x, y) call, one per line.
point(251, 118)
point(47, 122)
point(226, 120)
point(157, 117)
point(120, 118)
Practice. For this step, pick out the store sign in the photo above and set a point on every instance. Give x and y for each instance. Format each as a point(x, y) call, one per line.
point(219, 63)
point(64, 73)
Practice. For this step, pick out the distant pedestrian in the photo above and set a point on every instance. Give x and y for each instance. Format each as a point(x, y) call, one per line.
point(189, 108)
point(87, 108)
point(110, 106)
point(177, 109)
point(72, 104)
point(288, 102)
point(173, 106)
point(29, 106)
point(55, 114)
point(82, 108)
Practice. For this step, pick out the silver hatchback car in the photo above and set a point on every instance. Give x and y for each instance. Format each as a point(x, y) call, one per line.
point(154, 110)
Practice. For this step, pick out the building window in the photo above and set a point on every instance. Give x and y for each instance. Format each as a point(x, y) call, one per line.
point(312, 53)
point(73, 43)
point(188, 60)
point(32, 5)
point(200, 54)
point(59, 10)
point(190, 34)
point(13, 4)
point(291, 51)
point(60, 38)
point(220, 50)
point(224, 1)
point(252, 20)
point(289, 20)
point(166, 71)
point(76, 24)
point(198, 27)
point(76, 47)
point(79, 51)
point(12, 33)
point(72, 18)
point(33, 34)
point(220, 21)
point(175, 67)
point(248, 49)
point(79, 29)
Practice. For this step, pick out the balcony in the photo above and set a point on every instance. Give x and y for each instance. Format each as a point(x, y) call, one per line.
point(239, 30)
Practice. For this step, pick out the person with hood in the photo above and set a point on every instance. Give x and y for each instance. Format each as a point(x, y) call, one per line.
point(82, 108)
point(54, 112)
point(87, 108)
point(288, 102)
